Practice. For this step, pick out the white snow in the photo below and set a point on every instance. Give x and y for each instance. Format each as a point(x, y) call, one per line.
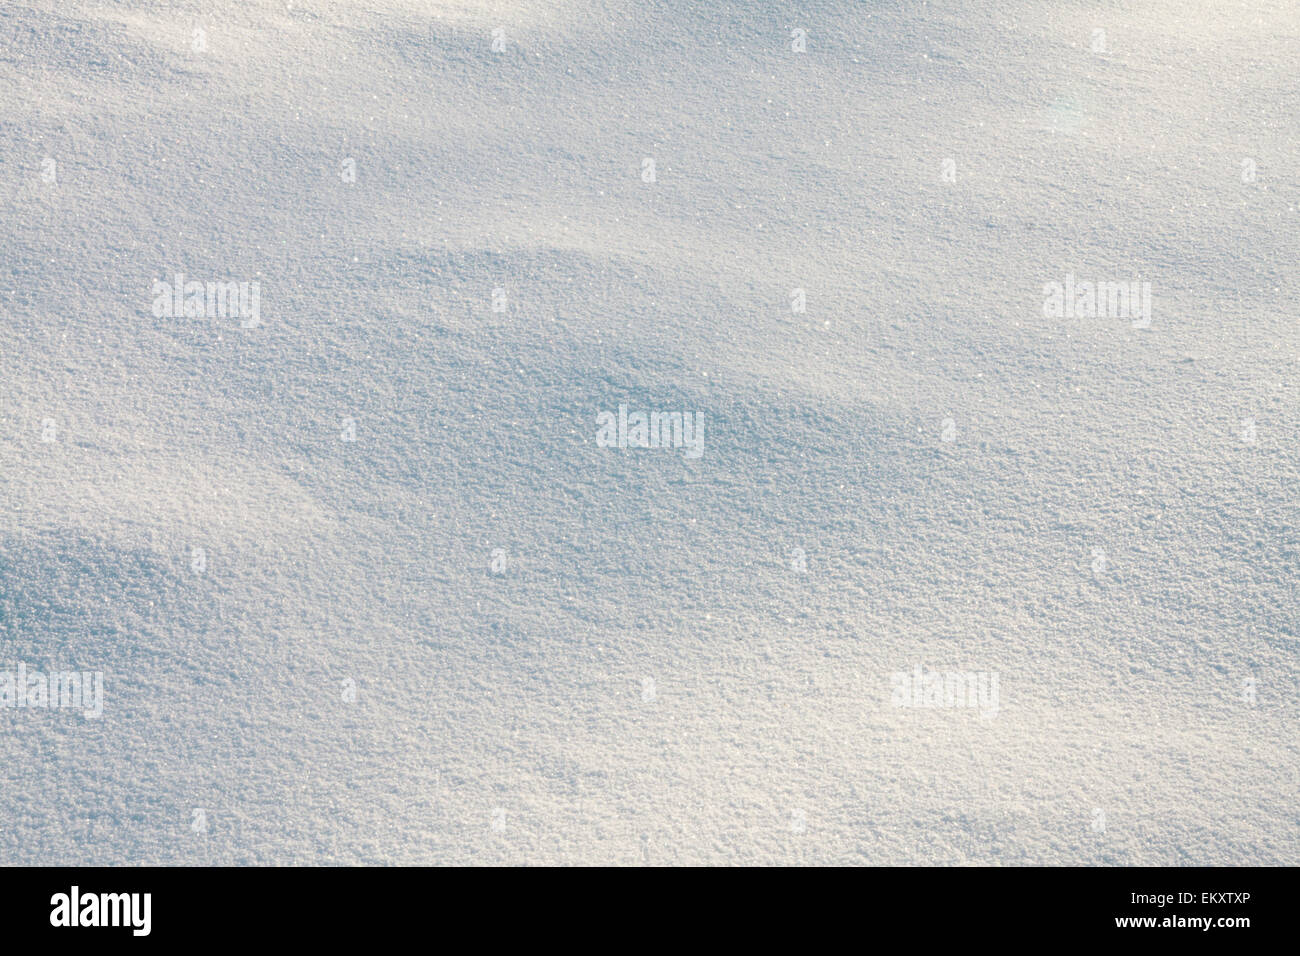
point(475, 635)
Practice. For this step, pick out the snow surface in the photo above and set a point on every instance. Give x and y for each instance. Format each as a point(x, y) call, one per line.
point(565, 653)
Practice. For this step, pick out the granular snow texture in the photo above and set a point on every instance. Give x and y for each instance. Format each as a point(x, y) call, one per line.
point(367, 583)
